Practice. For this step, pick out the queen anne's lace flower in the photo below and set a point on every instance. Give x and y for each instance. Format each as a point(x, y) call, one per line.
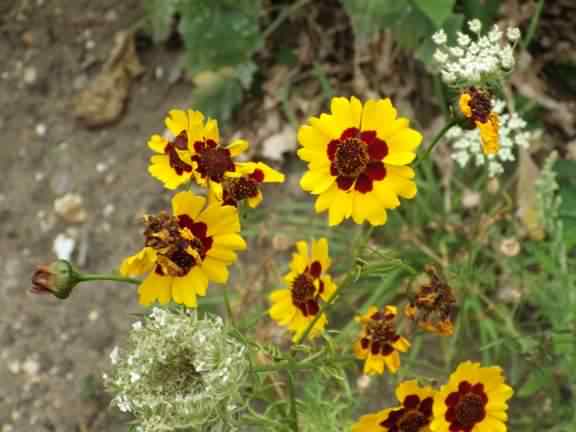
point(476, 59)
point(179, 371)
point(467, 145)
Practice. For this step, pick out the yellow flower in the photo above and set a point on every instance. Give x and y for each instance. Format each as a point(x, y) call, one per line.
point(357, 158)
point(172, 164)
point(473, 400)
point(476, 105)
point(308, 282)
point(244, 183)
point(413, 415)
point(185, 251)
point(378, 343)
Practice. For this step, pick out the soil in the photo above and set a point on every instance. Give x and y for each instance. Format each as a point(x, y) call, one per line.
point(52, 352)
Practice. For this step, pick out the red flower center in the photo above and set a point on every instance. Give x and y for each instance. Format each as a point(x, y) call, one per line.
point(304, 295)
point(171, 150)
point(412, 417)
point(176, 253)
point(213, 161)
point(480, 104)
point(380, 334)
point(238, 189)
point(356, 159)
point(466, 407)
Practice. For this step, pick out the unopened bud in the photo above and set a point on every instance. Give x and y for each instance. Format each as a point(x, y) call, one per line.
point(58, 279)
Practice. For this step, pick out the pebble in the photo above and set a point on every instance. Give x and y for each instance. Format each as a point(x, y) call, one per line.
point(41, 129)
point(108, 210)
point(63, 246)
point(111, 16)
point(93, 315)
point(30, 76)
point(70, 208)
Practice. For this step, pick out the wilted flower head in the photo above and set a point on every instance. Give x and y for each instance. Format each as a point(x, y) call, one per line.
point(475, 59)
point(58, 279)
point(179, 371)
point(467, 145)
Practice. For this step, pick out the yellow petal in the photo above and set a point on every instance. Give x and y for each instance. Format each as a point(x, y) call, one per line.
point(374, 365)
point(376, 115)
point(224, 255)
point(157, 143)
point(237, 147)
point(393, 362)
point(316, 182)
point(140, 263)
point(187, 203)
point(404, 140)
point(177, 121)
point(399, 158)
point(327, 126)
point(320, 253)
point(198, 280)
point(402, 186)
point(220, 219)
point(386, 193)
point(313, 139)
point(254, 202)
point(184, 292)
point(347, 113)
point(368, 207)
point(229, 241)
point(211, 130)
point(160, 169)
point(155, 287)
point(340, 208)
point(325, 199)
point(215, 270)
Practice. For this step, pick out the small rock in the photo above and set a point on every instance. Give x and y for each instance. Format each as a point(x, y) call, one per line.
point(90, 44)
point(39, 176)
point(41, 129)
point(31, 367)
point(111, 16)
point(30, 76)
point(64, 246)
point(470, 199)
point(158, 72)
point(14, 367)
point(108, 210)
point(70, 208)
point(510, 247)
point(282, 142)
point(101, 167)
point(93, 315)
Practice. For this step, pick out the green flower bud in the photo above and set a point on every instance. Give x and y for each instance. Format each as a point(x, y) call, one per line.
point(58, 279)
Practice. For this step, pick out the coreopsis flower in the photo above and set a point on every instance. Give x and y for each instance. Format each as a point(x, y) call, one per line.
point(504, 135)
point(358, 160)
point(476, 59)
point(172, 164)
point(413, 415)
point(309, 284)
point(476, 105)
point(179, 371)
point(185, 251)
point(433, 305)
point(244, 183)
point(474, 400)
point(378, 344)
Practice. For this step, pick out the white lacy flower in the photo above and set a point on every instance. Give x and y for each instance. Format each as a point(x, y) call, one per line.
point(179, 371)
point(475, 60)
point(467, 147)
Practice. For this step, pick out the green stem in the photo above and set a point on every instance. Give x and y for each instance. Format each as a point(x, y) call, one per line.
point(533, 25)
point(285, 14)
point(436, 140)
point(292, 399)
point(86, 277)
point(287, 364)
point(228, 305)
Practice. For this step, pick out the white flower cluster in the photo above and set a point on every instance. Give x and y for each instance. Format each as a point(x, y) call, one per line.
point(467, 146)
point(178, 371)
point(478, 59)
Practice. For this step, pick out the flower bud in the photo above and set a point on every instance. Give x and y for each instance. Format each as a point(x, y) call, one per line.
point(58, 279)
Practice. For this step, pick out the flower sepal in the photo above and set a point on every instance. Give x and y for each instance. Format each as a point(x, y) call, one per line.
point(57, 279)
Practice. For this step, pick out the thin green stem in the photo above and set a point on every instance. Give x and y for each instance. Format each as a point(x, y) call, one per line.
point(436, 140)
point(533, 25)
point(86, 277)
point(293, 413)
point(228, 305)
point(285, 14)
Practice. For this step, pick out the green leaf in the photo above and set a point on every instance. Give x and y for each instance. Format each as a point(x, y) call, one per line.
point(437, 10)
point(413, 30)
point(486, 11)
point(160, 14)
point(535, 382)
point(370, 16)
point(220, 98)
point(219, 33)
point(426, 50)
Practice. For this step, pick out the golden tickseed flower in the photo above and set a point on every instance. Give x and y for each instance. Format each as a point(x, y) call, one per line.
point(244, 183)
point(172, 165)
point(185, 251)
point(474, 400)
point(357, 158)
point(433, 305)
point(476, 105)
point(379, 344)
point(413, 415)
point(308, 284)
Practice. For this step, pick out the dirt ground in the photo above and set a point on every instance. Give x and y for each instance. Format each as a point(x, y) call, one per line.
point(52, 353)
